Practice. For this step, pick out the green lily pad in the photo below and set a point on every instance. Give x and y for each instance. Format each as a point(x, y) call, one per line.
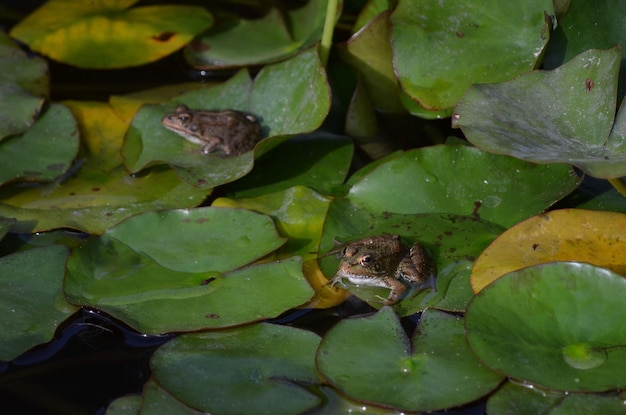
point(587, 26)
point(100, 192)
point(126, 405)
point(522, 399)
point(205, 288)
point(106, 27)
point(560, 116)
point(555, 325)
point(371, 359)
point(195, 239)
point(285, 105)
point(44, 152)
point(475, 43)
point(23, 87)
point(157, 401)
point(318, 160)
point(235, 42)
point(591, 404)
point(241, 370)
point(31, 300)
point(462, 180)
point(298, 213)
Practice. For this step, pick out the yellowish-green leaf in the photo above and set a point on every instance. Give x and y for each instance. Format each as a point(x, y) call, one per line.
point(100, 193)
point(561, 235)
point(107, 34)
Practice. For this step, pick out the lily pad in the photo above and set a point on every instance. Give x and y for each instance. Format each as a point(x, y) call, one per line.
point(99, 193)
point(298, 213)
point(591, 404)
point(318, 160)
point(462, 180)
point(241, 370)
point(285, 106)
point(196, 238)
point(44, 152)
point(235, 42)
point(580, 235)
point(587, 26)
point(371, 359)
point(523, 399)
point(23, 87)
point(475, 43)
point(555, 325)
point(156, 401)
point(31, 301)
point(200, 287)
point(559, 116)
point(91, 35)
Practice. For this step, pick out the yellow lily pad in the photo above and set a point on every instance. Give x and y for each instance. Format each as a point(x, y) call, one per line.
point(108, 33)
point(562, 235)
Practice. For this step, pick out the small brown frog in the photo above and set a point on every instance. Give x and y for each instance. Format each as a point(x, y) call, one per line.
point(384, 261)
point(231, 131)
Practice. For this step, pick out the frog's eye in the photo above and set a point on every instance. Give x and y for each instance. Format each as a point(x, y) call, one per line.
point(183, 117)
point(365, 259)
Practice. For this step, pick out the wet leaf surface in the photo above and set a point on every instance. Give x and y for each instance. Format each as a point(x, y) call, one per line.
point(135, 278)
point(240, 370)
point(561, 235)
point(560, 116)
point(556, 325)
point(31, 301)
point(439, 373)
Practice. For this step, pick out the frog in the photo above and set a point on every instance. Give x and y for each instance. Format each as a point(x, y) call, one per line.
point(385, 261)
point(231, 131)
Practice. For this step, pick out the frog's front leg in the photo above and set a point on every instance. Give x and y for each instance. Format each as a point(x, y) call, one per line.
point(212, 143)
point(396, 291)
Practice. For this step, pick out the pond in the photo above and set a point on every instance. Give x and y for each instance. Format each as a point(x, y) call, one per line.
point(373, 207)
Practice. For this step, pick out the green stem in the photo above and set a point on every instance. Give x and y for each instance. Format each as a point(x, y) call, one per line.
point(619, 185)
point(329, 27)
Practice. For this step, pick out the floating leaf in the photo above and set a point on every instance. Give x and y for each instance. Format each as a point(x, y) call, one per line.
point(285, 105)
point(318, 160)
point(556, 325)
point(31, 301)
point(256, 369)
point(560, 116)
point(586, 26)
point(591, 404)
point(23, 87)
point(298, 213)
point(370, 359)
point(44, 152)
point(520, 399)
point(462, 180)
point(474, 42)
point(92, 35)
point(162, 295)
point(100, 193)
point(196, 238)
point(157, 401)
point(235, 42)
point(561, 235)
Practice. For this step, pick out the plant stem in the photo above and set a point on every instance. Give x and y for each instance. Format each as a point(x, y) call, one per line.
point(619, 185)
point(329, 27)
